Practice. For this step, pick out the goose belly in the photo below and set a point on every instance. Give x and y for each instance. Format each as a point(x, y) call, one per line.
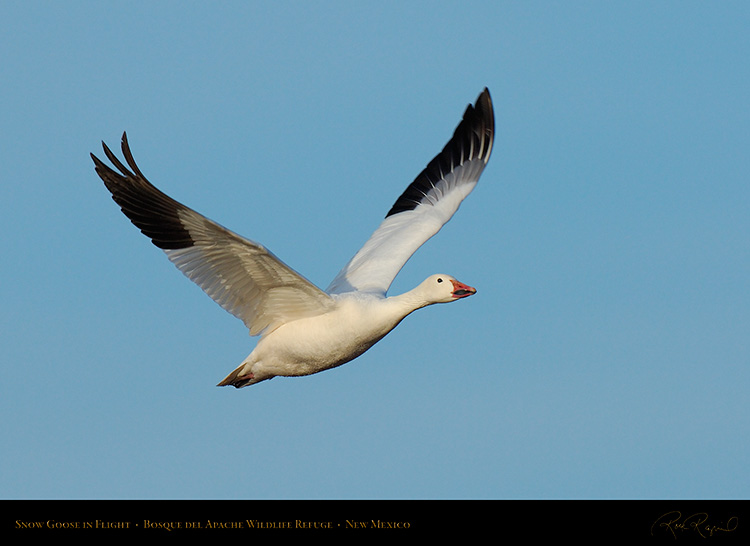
point(312, 345)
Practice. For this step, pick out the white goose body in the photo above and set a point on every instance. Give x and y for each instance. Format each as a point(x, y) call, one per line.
point(313, 344)
point(303, 329)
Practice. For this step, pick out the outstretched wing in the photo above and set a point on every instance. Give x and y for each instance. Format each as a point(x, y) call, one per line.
point(242, 276)
point(426, 205)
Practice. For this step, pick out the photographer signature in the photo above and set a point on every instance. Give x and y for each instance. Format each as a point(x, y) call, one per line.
point(673, 522)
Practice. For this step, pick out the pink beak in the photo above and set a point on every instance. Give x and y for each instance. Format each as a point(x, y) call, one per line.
point(461, 290)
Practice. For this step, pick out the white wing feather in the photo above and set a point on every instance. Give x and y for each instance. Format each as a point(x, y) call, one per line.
point(245, 278)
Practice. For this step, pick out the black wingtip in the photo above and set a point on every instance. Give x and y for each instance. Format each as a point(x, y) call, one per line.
point(475, 132)
point(484, 101)
point(156, 214)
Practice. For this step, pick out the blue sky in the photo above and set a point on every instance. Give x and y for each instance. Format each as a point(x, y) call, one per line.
point(606, 354)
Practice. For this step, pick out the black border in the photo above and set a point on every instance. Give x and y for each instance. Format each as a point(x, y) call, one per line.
point(720, 521)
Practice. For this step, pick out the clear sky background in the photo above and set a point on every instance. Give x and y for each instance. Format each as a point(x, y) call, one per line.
point(606, 354)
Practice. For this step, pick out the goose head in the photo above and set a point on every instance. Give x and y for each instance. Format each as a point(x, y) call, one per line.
point(444, 289)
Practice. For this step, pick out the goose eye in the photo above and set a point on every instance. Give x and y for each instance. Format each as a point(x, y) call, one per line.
point(439, 279)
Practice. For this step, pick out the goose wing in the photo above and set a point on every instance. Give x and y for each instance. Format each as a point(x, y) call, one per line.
point(242, 276)
point(426, 205)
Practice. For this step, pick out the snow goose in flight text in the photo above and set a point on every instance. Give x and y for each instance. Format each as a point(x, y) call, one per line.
point(303, 329)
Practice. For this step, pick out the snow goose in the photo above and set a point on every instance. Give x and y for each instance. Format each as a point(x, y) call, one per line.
point(303, 329)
